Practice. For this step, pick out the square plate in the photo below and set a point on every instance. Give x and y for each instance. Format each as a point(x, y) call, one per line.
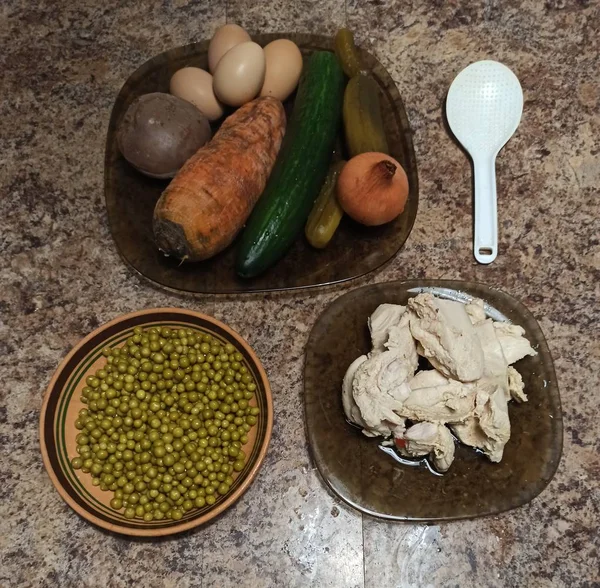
point(354, 251)
point(367, 478)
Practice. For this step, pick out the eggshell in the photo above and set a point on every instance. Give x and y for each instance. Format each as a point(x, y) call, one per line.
point(284, 66)
point(196, 86)
point(223, 40)
point(240, 74)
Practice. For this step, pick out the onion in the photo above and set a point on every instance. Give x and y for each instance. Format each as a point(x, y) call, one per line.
point(372, 188)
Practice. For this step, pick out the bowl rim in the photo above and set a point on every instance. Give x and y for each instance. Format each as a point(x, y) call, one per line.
point(212, 513)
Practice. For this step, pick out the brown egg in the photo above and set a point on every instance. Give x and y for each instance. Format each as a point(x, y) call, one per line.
point(223, 40)
point(196, 86)
point(284, 66)
point(240, 74)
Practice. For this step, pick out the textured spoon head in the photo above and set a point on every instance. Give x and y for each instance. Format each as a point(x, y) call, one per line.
point(484, 107)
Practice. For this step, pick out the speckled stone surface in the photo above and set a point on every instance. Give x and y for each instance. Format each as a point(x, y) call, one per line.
point(62, 65)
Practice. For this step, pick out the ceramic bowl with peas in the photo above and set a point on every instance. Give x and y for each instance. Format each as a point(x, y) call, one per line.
point(156, 422)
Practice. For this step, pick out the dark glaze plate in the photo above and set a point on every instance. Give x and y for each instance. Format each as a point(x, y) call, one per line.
point(367, 478)
point(131, 196)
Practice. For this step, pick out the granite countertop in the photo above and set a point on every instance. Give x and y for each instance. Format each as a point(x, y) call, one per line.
point(61, 276)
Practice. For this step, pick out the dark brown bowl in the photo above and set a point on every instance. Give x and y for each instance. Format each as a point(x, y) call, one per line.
point(62, 404)
point(354, 251)
point(367, 478)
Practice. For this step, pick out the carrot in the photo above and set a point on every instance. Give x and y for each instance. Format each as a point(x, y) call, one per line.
point(212, 195)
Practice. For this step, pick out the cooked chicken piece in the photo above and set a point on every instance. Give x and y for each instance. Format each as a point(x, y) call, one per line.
point(514, 344)
point(494, 362)
point(516, 386)
point(446, 337)
point(470, 432)
point(379, 388)
point(437, 399)
point(389, 370)
point(489, 428)
point(430, 438)
point(352, 411)
point(495, 370)
point(401, 341)
point(476, 311)
point(492, 412)
point(469, 389)
point(428, 379)
point(381, 321)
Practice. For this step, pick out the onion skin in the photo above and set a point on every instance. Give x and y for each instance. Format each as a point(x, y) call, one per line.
point(372, 188)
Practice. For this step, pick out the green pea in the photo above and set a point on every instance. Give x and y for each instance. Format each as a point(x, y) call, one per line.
point(165, 421)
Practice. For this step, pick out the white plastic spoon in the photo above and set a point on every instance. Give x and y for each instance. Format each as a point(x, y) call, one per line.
point(484, 107)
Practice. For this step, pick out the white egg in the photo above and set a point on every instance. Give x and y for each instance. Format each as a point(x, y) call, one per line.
point(240, 74)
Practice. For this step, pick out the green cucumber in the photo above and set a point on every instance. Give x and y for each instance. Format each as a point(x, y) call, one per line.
point(300, 169)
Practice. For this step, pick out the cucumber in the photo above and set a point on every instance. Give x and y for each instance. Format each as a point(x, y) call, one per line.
point(300, 169)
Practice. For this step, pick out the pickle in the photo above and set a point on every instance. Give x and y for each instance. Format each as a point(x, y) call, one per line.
point(326, 213)
point(363, 123)
point(346, 52)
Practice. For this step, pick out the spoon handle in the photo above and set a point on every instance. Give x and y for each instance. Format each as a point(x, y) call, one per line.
point(485, 245)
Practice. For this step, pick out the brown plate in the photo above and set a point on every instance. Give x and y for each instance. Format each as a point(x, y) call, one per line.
point(62, 404)
point(366, 477)
point(354, 251)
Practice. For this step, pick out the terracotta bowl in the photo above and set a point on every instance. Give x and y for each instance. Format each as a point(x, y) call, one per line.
point(62, 404)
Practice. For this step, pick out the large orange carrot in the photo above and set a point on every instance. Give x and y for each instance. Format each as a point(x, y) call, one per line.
point(209, 200)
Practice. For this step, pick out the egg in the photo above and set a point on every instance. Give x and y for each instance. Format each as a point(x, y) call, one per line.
point(284, 66)
point(240, 74)
point(223, 40)
point(196, 86)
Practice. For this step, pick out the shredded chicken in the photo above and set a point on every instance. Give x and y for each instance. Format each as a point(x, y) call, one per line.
point(446, 337)
point(350, 408)
point(379, 389)
point(468, 390)
point(385, 317)
point(495, 371)
point(516, 386)
point(400, 340)
point(470, 432)
point(437, 399)
point(514, 344)
point(430, 439)
point(491, 411)
point(476, 311)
